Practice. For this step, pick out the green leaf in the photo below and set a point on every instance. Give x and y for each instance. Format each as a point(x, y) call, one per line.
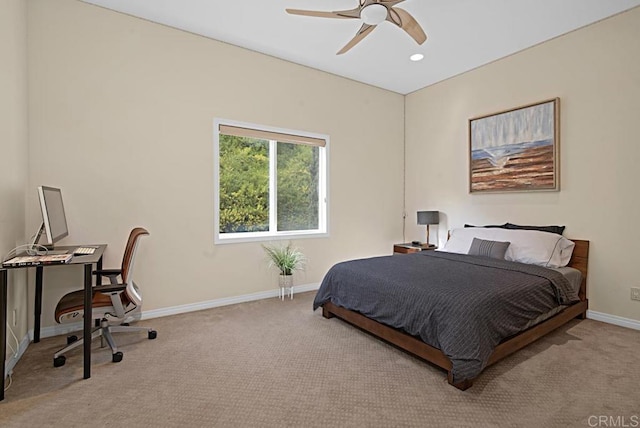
point(286, 259)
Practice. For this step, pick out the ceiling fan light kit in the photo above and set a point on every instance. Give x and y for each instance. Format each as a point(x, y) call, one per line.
point(372, 13)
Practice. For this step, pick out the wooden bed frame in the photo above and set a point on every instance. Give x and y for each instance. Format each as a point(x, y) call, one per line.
point(579, 260)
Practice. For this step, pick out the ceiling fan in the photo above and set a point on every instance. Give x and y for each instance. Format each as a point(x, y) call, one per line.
point(372, 13)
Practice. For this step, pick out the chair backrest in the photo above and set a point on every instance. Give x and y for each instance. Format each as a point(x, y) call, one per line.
point(128, 262)
point(130, 252)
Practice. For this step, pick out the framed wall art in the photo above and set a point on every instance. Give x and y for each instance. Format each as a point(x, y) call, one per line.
point(516, 150)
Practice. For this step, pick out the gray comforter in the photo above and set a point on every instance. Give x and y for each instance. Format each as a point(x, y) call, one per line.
point(463, 305)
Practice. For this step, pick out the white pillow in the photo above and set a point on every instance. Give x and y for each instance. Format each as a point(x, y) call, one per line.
point(527, 246)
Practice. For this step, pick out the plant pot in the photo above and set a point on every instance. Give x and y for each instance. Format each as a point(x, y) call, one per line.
point(286, 284)
point(286, 280)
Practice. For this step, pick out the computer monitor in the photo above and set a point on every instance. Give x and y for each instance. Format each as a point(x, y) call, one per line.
point(54, 221)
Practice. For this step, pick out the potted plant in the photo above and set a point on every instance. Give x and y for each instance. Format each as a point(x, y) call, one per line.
point(287, 260)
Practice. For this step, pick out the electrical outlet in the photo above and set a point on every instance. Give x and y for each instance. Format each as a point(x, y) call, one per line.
point(635, 293)
point(15, 317)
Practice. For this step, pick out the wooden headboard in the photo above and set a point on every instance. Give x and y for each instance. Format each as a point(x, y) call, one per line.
point(580, 260)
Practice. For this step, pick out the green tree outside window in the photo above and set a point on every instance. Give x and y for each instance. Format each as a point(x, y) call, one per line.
point(244, 185)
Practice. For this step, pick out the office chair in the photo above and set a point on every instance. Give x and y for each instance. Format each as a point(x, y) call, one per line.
point(113, 304)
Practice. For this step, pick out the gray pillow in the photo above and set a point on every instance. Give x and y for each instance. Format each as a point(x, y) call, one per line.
point(493, 249)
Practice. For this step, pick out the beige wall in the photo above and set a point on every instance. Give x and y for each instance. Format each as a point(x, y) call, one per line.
point(121, 118)
point(13, 149)
point(595, 72)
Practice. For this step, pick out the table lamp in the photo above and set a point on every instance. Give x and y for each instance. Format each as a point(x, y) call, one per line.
point(427, 218)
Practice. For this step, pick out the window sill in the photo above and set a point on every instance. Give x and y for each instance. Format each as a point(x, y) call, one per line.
point(261, 237)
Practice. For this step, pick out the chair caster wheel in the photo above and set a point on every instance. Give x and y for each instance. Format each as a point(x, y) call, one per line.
point(153, 334)
point(71, 339)
point(117, 357)
point(59, 361)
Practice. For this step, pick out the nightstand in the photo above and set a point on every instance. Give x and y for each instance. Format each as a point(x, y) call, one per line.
point(411, 248)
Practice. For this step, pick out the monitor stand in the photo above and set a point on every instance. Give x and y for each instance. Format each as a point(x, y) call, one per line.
point(50, 249)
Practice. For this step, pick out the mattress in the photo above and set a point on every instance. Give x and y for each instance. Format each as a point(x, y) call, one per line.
point(574, 276)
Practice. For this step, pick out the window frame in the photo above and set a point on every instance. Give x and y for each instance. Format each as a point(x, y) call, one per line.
point(323, 186)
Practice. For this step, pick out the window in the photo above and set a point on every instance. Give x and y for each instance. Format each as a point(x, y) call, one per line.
point(269, 183)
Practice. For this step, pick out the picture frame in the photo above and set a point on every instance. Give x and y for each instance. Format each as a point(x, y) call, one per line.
point(516, 150)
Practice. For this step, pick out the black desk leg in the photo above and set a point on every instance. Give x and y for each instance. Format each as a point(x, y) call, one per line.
point(88, 295)
point(37, 309)
point(99, 282)
point(3, 326)
point(99, 268)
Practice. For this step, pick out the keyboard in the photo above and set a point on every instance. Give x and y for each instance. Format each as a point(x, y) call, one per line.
point(84, 251)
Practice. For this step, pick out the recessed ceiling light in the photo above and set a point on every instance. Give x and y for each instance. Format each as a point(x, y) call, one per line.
point(416, 57)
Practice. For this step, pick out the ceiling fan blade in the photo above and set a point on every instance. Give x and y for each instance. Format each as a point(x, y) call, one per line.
point(390, 3)
point(343, 14)
point(404, 20)
point(362, 33)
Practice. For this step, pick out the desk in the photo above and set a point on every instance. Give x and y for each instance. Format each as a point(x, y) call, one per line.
point(88, 261)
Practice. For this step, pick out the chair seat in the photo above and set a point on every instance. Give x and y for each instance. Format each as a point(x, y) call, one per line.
point(72, 305)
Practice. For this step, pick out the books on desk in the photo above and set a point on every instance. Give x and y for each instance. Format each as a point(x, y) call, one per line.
point(51, 259)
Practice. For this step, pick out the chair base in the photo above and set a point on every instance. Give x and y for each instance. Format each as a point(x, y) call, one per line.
point(104, 331)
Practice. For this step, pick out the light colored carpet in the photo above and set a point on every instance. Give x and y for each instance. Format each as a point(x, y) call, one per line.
point(272, 364)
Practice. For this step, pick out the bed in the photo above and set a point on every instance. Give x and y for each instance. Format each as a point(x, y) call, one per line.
point(462, 312)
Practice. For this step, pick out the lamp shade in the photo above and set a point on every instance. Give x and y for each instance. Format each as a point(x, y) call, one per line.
point(428, 217)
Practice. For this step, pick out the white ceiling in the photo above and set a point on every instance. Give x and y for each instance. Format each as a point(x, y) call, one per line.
point(462, 34)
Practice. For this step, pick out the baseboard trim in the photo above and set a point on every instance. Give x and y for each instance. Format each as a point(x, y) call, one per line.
point(13, 359)
point(63, 329)
point(614, 319)
point(182, 309)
